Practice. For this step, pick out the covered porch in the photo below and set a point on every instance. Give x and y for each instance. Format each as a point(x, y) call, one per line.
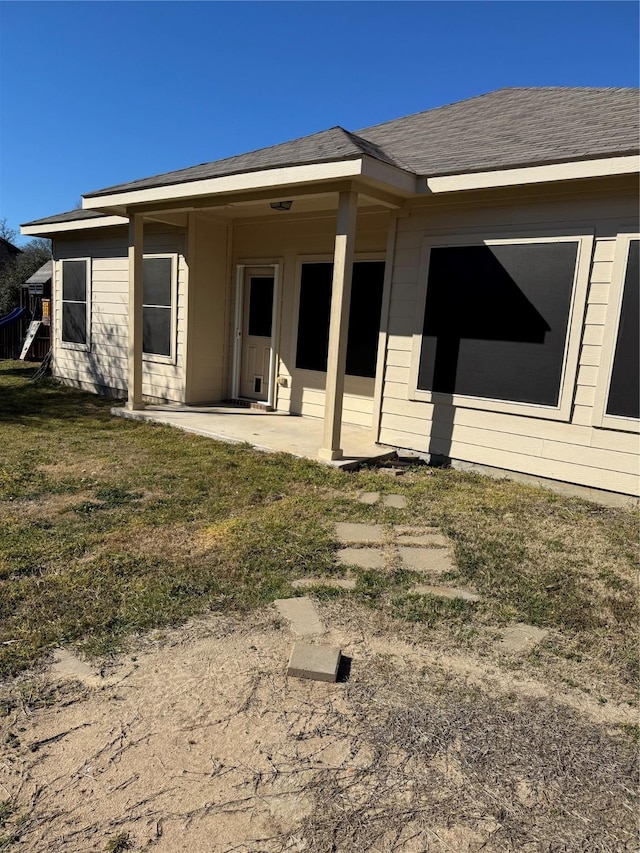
point(272, 432)
point(239, 239)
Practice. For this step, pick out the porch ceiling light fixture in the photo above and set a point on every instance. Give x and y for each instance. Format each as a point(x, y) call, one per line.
point(280, 205)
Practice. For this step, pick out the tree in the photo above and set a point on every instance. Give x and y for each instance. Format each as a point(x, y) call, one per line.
point(7, 233)
point(14, 274)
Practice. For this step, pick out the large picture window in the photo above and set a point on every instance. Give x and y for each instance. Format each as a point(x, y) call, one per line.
point(496, 320)
point(364, 317)
point(158, 308)
point(624, 390)
point(75, 303)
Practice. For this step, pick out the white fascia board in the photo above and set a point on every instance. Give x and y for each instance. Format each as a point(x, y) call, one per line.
point(72, 225)
point(392, 178)
point(534, 174)
point(264, 179)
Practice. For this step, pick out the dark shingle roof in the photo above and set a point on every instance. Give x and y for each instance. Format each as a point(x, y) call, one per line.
point(68, 216)
point(324, 147)
point(514, 127)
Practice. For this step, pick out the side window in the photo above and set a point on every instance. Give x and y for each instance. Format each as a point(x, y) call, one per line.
point(158, 307)
point(623, 399)
point(75, 302)
point(364, 317)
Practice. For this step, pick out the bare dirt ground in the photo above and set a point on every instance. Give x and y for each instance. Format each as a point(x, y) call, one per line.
point(196, 741)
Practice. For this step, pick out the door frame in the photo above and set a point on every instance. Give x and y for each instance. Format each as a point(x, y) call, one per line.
point(241, 270)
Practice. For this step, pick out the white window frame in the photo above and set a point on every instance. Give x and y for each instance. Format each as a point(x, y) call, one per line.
point(156, 358)
point(71, 345)
point(610, 338)
point(324, 259)
point(577, 308)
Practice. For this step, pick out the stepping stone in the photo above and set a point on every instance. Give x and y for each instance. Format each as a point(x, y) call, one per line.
point(364, 558)
point(348, 532)
point(394, 501)
point(521, 637)
point(446, 592)
point(433, 540)
point(369, 497)
point(319, 663)
point(67, 664)
point(341, 583)
point(428, 560)
point(302, 616)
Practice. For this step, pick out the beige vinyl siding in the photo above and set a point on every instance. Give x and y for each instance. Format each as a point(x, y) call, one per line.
point(573, 451)
point(286, 241)
point(104, 367)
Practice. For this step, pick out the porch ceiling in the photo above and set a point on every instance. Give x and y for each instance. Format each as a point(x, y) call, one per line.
point(273, 432)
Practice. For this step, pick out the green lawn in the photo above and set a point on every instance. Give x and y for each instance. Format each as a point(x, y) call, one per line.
point(109, 527)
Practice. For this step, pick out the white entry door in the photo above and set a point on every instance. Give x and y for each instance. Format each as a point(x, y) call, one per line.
point(257, 328)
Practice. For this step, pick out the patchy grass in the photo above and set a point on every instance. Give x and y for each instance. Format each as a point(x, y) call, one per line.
point(109, 527)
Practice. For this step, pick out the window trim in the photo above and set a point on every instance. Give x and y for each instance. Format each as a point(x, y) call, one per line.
point(610, 338)
point(156, 358)
point(71, 345)
point(324, 259)
point(577, 309)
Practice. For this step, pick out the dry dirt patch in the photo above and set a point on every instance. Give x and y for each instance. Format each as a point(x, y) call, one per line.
point(198, 742)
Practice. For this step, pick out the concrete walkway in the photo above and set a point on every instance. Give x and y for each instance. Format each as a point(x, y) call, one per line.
point(272, 432)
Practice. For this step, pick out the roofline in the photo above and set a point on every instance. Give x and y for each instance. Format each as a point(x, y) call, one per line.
point(566, 171)
point(392, 177)
point(72, 225)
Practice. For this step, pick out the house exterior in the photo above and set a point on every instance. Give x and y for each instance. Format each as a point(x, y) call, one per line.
point(462, 283)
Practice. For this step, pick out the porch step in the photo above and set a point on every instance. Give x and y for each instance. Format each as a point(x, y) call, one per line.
point(248, 404)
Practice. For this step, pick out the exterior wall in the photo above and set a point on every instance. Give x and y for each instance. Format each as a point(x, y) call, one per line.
point(103, 368)
point(208, 310)
point(289, 240)
point(573, 450)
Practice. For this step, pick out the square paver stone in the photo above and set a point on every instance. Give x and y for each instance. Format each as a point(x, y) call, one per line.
point(447, 592)
point(394, 501)
point(521, 637)
point(364, 558)
point(428, 540)
point(319, 663)
point(354, 533)
point(427, 560)
point(301, 615)
point(369, 497)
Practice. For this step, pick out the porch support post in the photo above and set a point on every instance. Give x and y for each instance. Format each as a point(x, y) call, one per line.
point(136, 234)
point(339, 324)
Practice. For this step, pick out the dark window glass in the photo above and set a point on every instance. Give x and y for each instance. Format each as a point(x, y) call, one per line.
point(74, 281)
point(156, 331)
point(74, 322)
point(624, 391)
point(364, 317)
point(157, 281)
point(496, 320)
point(313, 319)
point(260, 306)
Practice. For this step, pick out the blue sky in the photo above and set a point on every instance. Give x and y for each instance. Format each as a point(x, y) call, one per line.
point(95, 93)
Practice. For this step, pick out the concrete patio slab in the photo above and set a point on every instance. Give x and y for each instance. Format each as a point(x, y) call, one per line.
point(356, 534)
point(446, 592)
point(341, 583)
point(272, 432)
point(364, 558)
point(319, 663)
point(302, 616)
point(521, 637)
point(427, 560)
point(394, 501)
